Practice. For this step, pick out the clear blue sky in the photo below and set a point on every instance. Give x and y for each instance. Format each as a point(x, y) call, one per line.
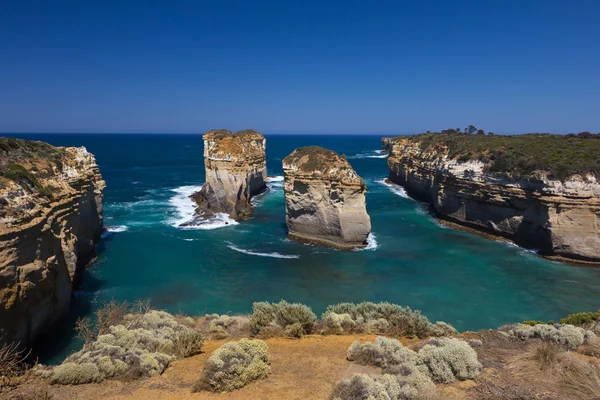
point(299, 66)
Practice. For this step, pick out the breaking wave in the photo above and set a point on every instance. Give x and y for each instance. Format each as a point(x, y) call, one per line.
point(372, 244)
point(184, 209)
point(394, 188)
point(114, 229)
point(372, 154)
point(256, 253)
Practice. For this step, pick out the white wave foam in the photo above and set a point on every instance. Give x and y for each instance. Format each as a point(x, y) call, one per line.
point(274, 182)
point(372, 154)
point(114, 229)
point(255, 253)
point(182, 204)
point(394, 188)
point(372, 244)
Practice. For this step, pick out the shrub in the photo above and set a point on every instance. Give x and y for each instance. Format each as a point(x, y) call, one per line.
point(223, 326)
point(448, 359)
point(234, 365)
point(383, 353)
point(440, 329)
point(568, 336)
point(338, 324)
point(70, 373)
point(582, 318)
point(389, 319)
point(283, 314)
point(13, 362)
point(142, 345)
point(365, 387)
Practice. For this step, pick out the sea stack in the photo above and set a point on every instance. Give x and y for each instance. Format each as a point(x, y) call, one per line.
point(521, 187)
point(50, 221)
point(236, 170)
point(324, 199)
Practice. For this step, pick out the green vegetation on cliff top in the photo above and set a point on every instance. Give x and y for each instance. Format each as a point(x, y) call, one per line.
point(521, 155)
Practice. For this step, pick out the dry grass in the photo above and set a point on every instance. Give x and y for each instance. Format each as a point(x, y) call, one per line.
point(109, 314)
point(12, 364)
point(562, 372)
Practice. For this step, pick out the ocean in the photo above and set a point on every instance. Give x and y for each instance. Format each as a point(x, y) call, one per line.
point(411, 260)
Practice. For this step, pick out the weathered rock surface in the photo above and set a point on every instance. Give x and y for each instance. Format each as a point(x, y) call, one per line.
point(50, 220)
point(236, 170)
point(324, 199)
point(558, 218)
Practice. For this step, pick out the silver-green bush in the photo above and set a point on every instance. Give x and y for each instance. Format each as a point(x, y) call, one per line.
point(383, 387)
point(448, 359)
point(443, 359)
point(389, 319)
point(569, 336)
point(223, 326)
point(283, 314)
point(234, 365)
point(143, 347)
point(383, 353)
point(338, 324)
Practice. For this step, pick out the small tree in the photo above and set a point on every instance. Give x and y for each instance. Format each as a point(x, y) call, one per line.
point(490, 133)
point(480, 132)
point(471, 129)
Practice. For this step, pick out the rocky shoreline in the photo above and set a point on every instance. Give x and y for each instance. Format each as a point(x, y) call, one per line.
point(556, 217)
point(51, 219)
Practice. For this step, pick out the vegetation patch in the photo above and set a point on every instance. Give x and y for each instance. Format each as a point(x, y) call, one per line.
point(565, 335)
point(400, 387)
point(138, 345)
point(520, 155)
point(442, 359)
point(270, 319)
point(316, 158)
point(234, 365)
point(383, 318)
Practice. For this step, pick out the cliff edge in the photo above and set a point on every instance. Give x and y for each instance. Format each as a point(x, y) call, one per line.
point(324, 199)
point(540, 191)
point(50, 220)
point(236, 170)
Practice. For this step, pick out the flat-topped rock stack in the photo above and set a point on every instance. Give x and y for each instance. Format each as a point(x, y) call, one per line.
point(324, 199)
point(236, 170)
point(50, 221)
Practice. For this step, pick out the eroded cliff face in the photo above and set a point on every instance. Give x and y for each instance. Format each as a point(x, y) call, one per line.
point(324, 199)
point(558, 218)
point(236, 170)
point(50, 220)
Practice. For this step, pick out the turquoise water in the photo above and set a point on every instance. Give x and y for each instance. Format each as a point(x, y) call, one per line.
point(452, 276)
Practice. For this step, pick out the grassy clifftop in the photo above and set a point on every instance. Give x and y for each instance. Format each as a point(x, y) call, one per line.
point(521, 155)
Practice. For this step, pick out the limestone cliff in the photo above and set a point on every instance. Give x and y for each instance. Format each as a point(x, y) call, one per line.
point(236, 170)
point(50, 220)
point(324, 199)
point(558, 217)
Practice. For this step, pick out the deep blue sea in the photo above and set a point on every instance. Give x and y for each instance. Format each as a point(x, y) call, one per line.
point(454, 276)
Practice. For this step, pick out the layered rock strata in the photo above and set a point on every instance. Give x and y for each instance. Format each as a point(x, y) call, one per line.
point(50, 220)
point(324, 199)
point(560, 218)
point(236, 170)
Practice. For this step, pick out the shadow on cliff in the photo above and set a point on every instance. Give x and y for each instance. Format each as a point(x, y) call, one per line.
point(53, 346)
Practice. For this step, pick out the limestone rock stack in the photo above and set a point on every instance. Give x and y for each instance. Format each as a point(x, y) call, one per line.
point(236, 170)
point(324, 199)
point(50, 220)
point(560, 218)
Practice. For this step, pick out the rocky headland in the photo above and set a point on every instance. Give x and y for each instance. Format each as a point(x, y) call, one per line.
point(236, 170)
point(50, 221)
point(539, 191)
point(324, 199)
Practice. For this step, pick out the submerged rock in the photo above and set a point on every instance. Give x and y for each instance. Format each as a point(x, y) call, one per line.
point(50, 220)
point(324, 199)
point(236, 170)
